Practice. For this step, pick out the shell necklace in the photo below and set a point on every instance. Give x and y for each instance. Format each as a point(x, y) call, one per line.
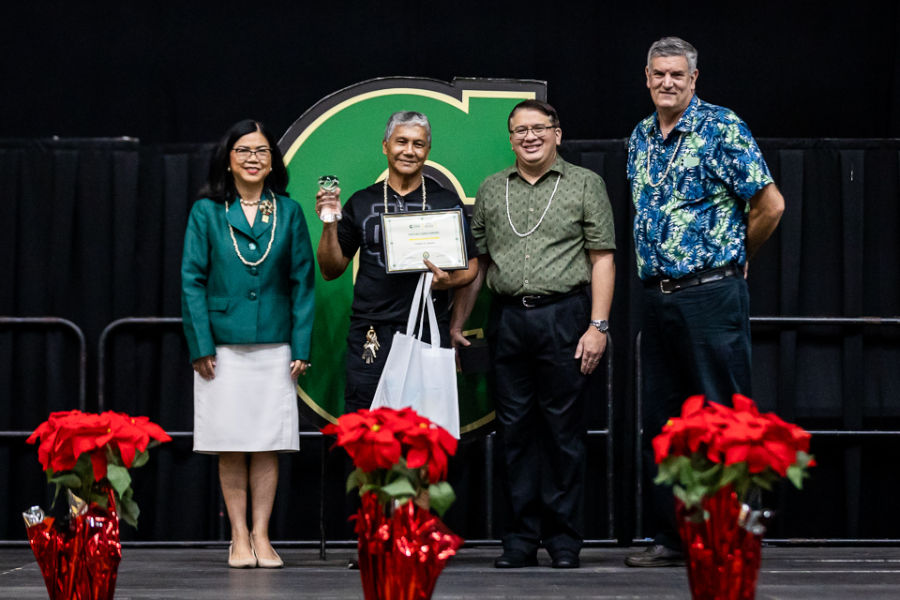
point(668, 166)
point(271, 235)
point(385, 194)
point(538, 224)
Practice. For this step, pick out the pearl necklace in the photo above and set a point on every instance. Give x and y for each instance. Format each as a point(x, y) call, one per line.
point(385, 194)
point(668, 166)
point(249, 202)
point(536, 225)
point(271, 235)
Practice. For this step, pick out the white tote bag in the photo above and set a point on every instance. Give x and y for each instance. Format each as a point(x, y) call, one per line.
point(420, 375)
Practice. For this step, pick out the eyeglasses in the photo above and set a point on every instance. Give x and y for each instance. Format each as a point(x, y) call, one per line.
point(243, 153)
point(538, 130)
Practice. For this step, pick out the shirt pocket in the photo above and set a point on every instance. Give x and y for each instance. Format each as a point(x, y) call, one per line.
point(691, 185)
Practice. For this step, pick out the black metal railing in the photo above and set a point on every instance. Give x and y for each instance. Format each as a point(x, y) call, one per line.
point(51, 323)
point(607, 433)
point(56, 323)
point(847, 433)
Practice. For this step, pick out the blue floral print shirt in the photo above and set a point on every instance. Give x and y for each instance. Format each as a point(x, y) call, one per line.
point(691, 191)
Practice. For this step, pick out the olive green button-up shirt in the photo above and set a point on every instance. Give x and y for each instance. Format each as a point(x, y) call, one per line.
point(553, 258)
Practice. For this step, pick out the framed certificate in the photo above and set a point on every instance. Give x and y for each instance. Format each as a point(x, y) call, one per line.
point(411, 237)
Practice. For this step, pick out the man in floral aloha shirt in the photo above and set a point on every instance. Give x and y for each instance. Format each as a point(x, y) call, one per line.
point(704, 203)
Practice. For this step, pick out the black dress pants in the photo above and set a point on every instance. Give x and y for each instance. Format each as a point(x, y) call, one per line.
point(693, 341)
point(540, 414)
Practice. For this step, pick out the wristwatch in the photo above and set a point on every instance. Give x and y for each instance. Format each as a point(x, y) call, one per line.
point(601, 325)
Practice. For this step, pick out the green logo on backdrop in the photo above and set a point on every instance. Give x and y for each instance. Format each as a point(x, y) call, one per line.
point(342, 135)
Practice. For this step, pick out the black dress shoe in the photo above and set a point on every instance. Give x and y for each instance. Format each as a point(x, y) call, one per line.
point(353, 564)
point(656, 555)
point(566, 561)
point(512, 559)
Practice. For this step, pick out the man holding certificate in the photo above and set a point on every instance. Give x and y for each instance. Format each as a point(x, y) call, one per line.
point(545, 230)
point(400, 226)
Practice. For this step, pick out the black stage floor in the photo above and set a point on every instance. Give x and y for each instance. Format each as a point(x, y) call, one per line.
point(200, 573)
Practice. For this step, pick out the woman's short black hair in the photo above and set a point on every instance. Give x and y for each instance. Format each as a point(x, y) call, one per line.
point(220, 182)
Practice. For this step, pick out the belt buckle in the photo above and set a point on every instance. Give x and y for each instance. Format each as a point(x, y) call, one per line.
point(526, 301)
point(662, 288)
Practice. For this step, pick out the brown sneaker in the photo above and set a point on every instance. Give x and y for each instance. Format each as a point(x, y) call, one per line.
point(656, 555)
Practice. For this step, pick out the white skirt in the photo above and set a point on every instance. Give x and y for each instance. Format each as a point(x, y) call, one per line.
point(250, 405)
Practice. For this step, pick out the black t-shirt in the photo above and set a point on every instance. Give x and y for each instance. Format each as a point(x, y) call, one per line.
point(378, 296)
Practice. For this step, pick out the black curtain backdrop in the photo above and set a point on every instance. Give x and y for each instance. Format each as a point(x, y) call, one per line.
point(169, 72)
point(94, 231)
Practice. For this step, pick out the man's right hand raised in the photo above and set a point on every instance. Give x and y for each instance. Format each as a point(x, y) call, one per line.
point(330, 199)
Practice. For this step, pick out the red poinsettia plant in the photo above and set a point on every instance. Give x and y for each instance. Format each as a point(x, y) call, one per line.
point(399, 454)
point(85, 452)
point(712, 446)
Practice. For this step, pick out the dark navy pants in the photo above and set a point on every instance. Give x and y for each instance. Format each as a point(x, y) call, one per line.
point(693, 341)
point(540, 415)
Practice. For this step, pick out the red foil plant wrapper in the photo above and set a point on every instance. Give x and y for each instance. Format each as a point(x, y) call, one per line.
point(714, 456)
point(401, 463)
point(80, 559)
point(724, 548)
point(89, 455)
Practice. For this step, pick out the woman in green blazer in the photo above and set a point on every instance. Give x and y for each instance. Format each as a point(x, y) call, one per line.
point(247, 306)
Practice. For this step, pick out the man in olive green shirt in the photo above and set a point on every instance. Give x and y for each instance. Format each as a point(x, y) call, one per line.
point(545, 228)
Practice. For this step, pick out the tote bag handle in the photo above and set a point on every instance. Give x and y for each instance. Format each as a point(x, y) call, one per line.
point(422, 303)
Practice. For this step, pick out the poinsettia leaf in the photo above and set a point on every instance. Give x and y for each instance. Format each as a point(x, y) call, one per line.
point(399, 489)
point(660, 479)
point(795, 475)
point(354, 480)
point(762, 481)
point(368, 487)
point(697, 493)
point(119, 478)
point(56, 495)
point(665, 475)
point(688, 477)
point(128, 510)
point(733, 473)
point(67, 479)
point(100, 498)
point(140, 459)
point(440, 497)
point(84, 469)
point(803, 459)
point(681, 462)
point(710, 475)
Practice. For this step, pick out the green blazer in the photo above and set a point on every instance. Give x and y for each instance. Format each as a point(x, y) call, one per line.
point(224, 301)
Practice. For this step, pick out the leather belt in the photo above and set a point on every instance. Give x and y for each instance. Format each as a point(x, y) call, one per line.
point(667, 286)
point(534, 301)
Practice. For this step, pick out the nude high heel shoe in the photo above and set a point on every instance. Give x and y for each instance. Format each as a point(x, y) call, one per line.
point(244, 563)
point(266, 563)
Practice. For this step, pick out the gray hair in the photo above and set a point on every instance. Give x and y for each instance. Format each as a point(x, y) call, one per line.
point(673, 46)
point(407, 117)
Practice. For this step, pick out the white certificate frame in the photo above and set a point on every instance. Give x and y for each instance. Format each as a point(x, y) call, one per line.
point(437, 235)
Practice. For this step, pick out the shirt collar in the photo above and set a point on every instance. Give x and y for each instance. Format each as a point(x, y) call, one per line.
point(687, 121)
point(559, 166)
